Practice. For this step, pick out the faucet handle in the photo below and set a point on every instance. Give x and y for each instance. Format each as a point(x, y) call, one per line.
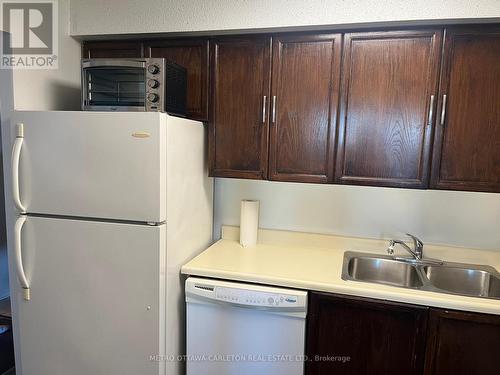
point(390, 248)
point(419, 245)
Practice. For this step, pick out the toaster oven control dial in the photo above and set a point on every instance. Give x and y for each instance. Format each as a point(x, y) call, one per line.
point(153, 69)
point(153, 98)
point(153, 83)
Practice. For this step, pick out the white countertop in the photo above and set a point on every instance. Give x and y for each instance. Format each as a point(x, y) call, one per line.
point(314, 262)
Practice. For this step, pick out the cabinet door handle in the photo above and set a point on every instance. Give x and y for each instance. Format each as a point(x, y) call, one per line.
point(273, 115)
point(431, 111)
point(443, 110)
point(264, 102)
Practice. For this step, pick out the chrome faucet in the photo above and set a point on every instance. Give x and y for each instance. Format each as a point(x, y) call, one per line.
point(417, 252)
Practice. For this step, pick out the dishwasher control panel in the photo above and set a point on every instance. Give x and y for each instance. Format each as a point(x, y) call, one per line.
point(236, 293)
point(254, 298)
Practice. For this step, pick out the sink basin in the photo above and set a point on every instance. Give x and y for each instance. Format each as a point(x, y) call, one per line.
point(466, 281)
point(429, 275)
point(383, 271)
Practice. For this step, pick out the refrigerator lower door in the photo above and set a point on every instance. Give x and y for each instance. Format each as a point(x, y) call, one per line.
point(97, 303)
point(89, 164)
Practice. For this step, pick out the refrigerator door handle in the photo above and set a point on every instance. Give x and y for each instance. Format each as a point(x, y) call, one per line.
point(18, 260)
point(16, 156)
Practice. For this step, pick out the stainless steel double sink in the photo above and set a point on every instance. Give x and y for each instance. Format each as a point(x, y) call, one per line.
point(442, 277)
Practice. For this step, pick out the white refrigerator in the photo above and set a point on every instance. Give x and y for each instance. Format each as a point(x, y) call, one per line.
point(102, 210)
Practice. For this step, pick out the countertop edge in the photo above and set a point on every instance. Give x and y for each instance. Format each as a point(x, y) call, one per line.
point(284, 258)
point(422, 298)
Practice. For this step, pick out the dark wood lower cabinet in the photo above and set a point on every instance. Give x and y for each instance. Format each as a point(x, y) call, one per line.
point(350, 335)
point(462, 343)
point(358, 336)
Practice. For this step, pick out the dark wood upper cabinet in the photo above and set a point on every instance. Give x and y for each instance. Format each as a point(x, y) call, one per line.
point(462, 343)
point(304, 97)
point(112, 49)
point(193, 55)
point(403, 108)
point(389, 88)
point(238, 131)
point(467, 141)
point(378, 337)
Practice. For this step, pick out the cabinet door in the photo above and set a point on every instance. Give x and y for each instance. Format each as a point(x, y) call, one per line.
point(193, 55)
point(305, 80)
point(462, 343)
point(388, 92)
point(112, 49)
point(359, 336)
point(238, 136)
point(467, 141)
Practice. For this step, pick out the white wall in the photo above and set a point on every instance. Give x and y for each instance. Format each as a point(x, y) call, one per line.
point(94, 17)
point(52, 89)
point(442, 217)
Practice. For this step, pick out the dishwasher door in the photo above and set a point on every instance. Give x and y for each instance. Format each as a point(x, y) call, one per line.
point(244, 329)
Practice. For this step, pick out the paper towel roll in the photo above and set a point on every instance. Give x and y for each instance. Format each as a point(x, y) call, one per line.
point(249, 222)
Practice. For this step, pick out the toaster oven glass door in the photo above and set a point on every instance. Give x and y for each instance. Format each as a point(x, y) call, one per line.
point(115, 88)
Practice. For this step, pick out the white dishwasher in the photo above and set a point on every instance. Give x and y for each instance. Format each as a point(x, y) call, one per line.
point(244, 329)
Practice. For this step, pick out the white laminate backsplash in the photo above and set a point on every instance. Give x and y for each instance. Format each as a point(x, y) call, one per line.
point(462, 219)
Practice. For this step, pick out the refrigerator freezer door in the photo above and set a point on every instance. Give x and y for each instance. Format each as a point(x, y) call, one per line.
point(91, 164)
point(97, 298)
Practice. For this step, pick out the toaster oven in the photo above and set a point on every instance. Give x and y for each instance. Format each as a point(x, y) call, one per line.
point(149, 84)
